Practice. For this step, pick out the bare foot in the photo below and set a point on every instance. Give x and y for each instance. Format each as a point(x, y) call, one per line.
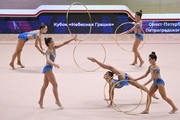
point(173, 111)
point(40, 104)
point(59, 105)
point(134, 63)
point(155, 97)
point(11, 64)
point(145, 112)
point(20, 64)
point(141, 64)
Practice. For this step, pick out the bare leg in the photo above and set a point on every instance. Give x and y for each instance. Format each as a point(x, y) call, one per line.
point(162, 92)
point(135, 56)
point(50, 76)
point(151, 92)
point(136, 53)
point(136, 84)
point(19, 60)
point(18, 50)
point(43, 89)
point(135, 59)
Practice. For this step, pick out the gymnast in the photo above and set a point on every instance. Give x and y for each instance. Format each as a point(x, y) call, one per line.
point(23, 38)
point(158, 83)
point(108, 76)
point(47, 70)
point(138, 37)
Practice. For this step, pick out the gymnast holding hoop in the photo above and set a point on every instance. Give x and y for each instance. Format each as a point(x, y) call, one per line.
point(138, 37)
point(158, 83)
point(108, 76)
point(23, 38)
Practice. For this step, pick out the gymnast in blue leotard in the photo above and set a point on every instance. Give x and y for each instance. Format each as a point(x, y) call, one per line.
point(26, 35)
point(123, 79)
point(23, 38)
point(47, 70)
point(158, 83)
point(138, 33)
point(52, 56)
point(121, 82)
point(138, 38)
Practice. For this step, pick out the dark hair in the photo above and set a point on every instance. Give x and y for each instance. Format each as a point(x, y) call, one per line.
point(110, 73)
point(153, 56)
point(42, 26)
point(47, 40)
point(139, 13)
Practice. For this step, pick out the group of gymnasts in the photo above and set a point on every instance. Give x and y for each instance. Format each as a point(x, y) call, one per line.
point(158, 82)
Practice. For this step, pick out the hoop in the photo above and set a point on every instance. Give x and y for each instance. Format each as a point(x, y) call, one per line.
point(119, 44)
point(106, 98)
point(119, 110)
point(67, 16)
point(137, 104)
point(78, 64)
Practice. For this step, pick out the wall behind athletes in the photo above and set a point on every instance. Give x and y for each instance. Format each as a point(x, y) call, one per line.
point(148, 6)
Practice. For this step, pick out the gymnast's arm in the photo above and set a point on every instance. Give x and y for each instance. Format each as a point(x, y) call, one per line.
point(143, 76)
point(38, 40)
point(152, 77)
point(109, 91)
point(114, 70)
point(129, 31)
point(66, 42)
point(111, 94)
point(49, 61)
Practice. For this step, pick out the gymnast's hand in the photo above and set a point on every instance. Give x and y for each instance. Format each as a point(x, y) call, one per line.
point(42, 49)
point(134, 23)
point(121, 34)
point(91, 59)
point(75, 38)
point(56, 65)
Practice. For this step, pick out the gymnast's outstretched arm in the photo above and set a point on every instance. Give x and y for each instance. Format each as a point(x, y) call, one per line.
point(66, 42)
point(129, 31)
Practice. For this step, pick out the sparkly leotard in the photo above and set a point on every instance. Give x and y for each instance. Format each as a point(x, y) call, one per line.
point(52, 57)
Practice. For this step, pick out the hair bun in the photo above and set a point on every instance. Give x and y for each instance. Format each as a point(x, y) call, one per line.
point(45, 38)
point(140, 11)
point(153, 53)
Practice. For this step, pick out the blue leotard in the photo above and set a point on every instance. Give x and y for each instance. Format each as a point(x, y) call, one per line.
point(25, 35)
point(52, 57)
point(123, 83)
point(158, 80)
point(139, 35)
